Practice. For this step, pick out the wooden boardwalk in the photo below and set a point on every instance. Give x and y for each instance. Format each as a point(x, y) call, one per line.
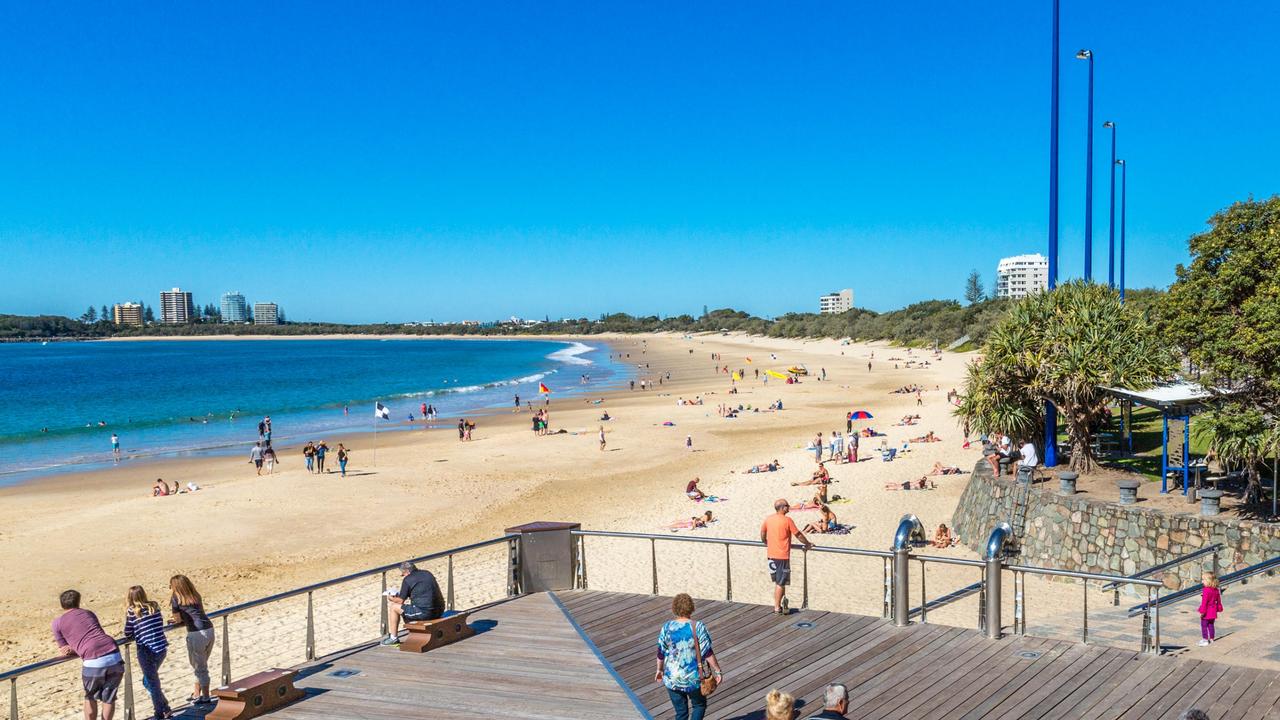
point(921, 671)
point(586, 654)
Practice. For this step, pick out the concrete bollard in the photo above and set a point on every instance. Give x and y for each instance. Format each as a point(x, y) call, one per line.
point(1128, 491)
point(1210, 502)
point(1067, 483)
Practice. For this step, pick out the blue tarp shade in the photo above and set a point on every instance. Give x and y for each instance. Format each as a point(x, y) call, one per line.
point(1177, 401)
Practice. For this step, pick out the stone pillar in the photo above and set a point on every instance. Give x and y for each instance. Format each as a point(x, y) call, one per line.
point(1210, 502)
point(1067, 482)
point(548, 555)
point(1128, 491)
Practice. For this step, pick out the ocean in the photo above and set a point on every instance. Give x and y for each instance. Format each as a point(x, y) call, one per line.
point(61, 402)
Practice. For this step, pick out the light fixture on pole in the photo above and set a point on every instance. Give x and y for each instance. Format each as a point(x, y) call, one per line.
point(1111, 224)
point(1088, 177)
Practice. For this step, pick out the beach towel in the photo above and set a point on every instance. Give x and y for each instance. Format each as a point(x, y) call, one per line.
point(838, 529)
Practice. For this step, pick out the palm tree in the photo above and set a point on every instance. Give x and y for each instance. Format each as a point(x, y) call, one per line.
point(1063, 346)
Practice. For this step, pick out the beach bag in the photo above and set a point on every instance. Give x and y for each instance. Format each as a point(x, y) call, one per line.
point(707, 679)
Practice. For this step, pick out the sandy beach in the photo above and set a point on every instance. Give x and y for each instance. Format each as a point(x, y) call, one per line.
point(244, 536)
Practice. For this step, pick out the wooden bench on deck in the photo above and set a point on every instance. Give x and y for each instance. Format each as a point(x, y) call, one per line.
point(427, 635)
point(255, 695)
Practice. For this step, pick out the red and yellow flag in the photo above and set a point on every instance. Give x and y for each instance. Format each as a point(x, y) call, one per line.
point(544, 389)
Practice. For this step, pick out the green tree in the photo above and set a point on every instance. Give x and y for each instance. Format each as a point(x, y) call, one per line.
point(89, 315)
point(1062, 346)
point(1223, 311)
point(1240, 435)
point(106, 314)
point(973, 291)
point(148, 316)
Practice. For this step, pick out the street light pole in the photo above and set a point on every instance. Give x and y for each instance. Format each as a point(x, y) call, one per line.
point(1124, 197)
point(1111, 225)
point(1050, 412)
point(1088, 177)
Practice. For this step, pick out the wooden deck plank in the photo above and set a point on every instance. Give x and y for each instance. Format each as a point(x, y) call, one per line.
point(959, 671)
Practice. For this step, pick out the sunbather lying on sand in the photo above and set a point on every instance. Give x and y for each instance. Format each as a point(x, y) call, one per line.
point(924, 483)
point(940, 469)
point(799, 507)
point(693, 522)
point(767, 467)
point(927, 438)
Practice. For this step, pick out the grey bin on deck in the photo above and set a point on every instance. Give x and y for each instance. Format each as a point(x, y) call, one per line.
point(1128, 491)
point(548, 555)
point(1210, 502)
point(1067, 483)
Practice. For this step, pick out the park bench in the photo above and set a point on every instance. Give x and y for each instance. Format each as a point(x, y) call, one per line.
point(427, 635)
point(255, 695)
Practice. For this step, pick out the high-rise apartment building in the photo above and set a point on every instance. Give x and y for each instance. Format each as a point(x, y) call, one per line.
point(1021, 275)
point(836, 302)
point(176, 307)
point(234, 308)
point(127, 314)
point(266, 314)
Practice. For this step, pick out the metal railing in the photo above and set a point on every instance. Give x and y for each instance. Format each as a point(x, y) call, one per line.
point(1239, 576)
point(1208, 550)
point(306, 636)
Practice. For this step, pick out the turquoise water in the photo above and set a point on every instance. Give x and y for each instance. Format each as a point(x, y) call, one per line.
point(61, 402)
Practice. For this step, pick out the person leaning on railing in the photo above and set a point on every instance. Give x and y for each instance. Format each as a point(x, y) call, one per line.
point(79, 634)
point(188, 609)
point(144, 625)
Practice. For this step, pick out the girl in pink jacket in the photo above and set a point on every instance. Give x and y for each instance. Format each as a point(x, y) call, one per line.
point(1210, 606)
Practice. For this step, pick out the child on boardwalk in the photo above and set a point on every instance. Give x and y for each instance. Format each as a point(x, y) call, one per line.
point(1210, 606)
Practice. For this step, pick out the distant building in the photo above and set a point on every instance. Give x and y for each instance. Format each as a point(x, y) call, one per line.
point(176, 307)
point(234, 308)
point(127, 314)
point(266, 314)
point(1021, 275)
point(836, 302)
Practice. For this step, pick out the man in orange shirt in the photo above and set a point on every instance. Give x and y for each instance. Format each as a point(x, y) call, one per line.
point(776, 534)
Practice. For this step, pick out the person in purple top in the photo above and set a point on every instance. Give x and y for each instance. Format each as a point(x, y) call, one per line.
point(79, 634)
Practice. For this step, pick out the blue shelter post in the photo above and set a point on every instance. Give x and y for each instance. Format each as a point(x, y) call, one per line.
point(1164, 453)
point(1186, 453)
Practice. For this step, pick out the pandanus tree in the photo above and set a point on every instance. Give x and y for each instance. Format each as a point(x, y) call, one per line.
point(1242, 436)
point(1063, 346)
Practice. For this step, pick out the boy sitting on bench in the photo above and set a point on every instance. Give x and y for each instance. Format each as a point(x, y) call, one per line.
point(419, 598)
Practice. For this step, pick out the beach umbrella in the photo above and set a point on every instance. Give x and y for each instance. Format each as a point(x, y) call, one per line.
point(860, 415)
point(775, 373)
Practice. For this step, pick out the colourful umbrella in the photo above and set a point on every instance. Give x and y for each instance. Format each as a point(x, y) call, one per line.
point(860, 415)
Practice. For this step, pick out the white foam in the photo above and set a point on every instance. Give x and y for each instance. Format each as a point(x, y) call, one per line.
point(569, 355)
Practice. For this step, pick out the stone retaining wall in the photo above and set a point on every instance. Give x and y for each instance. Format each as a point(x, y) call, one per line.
point(1095, 534)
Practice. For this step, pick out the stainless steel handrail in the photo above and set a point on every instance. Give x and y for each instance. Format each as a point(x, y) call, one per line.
point(1080, 575)
point(1208, 550)
point(15, 673)
point(728, 541)
point(1238, 576)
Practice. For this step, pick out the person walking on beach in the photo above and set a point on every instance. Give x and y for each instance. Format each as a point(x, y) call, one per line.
point(144, 625)
point(321, 449)
point(776, 533)
point(516, 409)
point(255, 456)
point(343, 456)
point(309, 454)
point(79, 634)
point(269, 456)
point(688, 443)
point(817, 449)
point(462, 430)
point(602, 442)
point(419, 598)
point(1210, 606)
point(188, 609)
point(115, 445)
point(685, 659)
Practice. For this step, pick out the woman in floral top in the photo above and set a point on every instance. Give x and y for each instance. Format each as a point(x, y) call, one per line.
point(677, 667)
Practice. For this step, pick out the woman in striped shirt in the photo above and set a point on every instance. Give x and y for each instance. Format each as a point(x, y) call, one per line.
point(144, 624)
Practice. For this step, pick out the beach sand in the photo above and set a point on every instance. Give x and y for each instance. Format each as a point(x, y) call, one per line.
point(244, 536)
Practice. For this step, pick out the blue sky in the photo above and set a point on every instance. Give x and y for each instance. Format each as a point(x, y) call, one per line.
point(360, 162)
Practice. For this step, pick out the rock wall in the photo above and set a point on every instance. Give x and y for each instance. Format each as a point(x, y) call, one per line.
point(1092, 534)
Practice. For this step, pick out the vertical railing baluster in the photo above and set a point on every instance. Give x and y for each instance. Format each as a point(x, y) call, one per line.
point(1084, 632)
point(924, 598)
point(448, 598)
point(728, 576)
point(653, 563)
point(226, 653)
point(13, 698)
point(311, 627)
point(888, 590)
point(383, 621)
point(129, 710)
point(513, 568)
point(1158, 621)
point(582, 560)
point(1019, 603)
point(804, 593)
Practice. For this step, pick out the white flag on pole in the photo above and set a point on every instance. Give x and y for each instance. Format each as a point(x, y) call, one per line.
point(381, 411)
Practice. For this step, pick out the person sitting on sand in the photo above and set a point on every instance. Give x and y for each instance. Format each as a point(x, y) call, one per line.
point(605, 416)
point(160, 489)
point(820, 477)
point(693, 491)
point(944, 538)
point(823, 523)
point(820, 495)
point(927, 438)
point(940, 469)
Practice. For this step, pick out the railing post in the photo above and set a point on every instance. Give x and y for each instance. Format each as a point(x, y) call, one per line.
point(993, 599)
point(901, 587)
point(311, 627)
point(982, 603)
point(1019, 603)
point(582, 562)
point(1157, 606)
point(653, 563)
point(1215, 563)
point(13, 698)
point(924, 598)
point(728, 575)
point(804, 596)
point(1084, 625)
point(382, 604)
point(448, 598)
point(226, 653)
point(513, 567)
point(887, 611)
point(129, 710)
